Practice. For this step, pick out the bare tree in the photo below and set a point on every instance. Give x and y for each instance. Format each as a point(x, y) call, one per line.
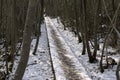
point(30, 19)
point(39, 18)
point(118, 71)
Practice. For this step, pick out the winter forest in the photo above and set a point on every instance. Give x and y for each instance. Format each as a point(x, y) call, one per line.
point(59, 39)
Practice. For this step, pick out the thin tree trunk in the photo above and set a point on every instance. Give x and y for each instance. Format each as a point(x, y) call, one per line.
point(77, 22)
point(13, 34)
point(83, 24)
point(1, 5)
point(95, 29)
point(101, 61)
point(86, 33)
point(39, 26)
point(26, 40)
point(118, 71)
point(84, 46)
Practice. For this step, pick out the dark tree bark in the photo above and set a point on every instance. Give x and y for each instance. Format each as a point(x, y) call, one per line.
point(1, 6)
point(83, 24)
point(118, 71)
point(30, 18)
point(96, 24)
point(84, 44)
point(39, 25)
point(13, 33)
point(77, 22)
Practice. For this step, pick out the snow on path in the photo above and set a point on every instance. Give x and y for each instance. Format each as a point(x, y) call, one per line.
point(39, 66)
point(66, 66)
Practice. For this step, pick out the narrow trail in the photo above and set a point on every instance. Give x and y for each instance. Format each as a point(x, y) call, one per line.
point(68, 67)
point(63, 56)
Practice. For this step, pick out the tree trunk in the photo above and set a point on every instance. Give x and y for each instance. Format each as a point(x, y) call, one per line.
point(118, 71)
point(13, 34)
point(77, 21)
point(26, 40)
point(84, 46)
point(96, 8)
point(86, 32)
point(1, 2)
point(39, 25)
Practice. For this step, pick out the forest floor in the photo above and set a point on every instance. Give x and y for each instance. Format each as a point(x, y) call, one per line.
point(58, 57)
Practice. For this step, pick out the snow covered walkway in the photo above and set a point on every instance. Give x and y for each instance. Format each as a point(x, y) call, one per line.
point(53, 61)
point(65, 64)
